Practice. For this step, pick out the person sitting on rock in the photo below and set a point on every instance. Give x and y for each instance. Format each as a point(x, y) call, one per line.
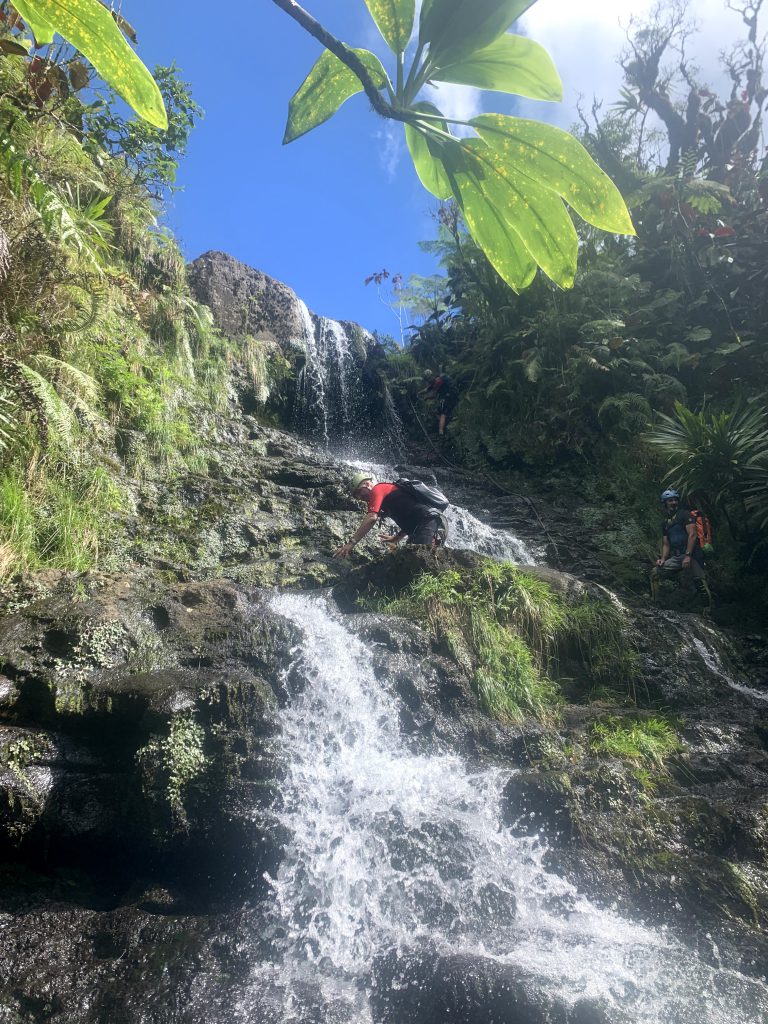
point(417, 521)
point(444, 389)
point(680, 549)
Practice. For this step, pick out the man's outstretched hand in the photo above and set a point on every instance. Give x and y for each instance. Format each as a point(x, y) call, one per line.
point(344, 551)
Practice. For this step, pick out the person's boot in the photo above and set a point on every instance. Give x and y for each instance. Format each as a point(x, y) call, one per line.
point(702, 589)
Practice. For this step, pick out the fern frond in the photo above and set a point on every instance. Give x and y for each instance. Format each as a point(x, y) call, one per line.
point(8, 419)
point(61, 425)
point(81, 390)
point(5, 255)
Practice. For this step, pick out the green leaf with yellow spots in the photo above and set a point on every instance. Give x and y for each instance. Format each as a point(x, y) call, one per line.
point(556, 160)
point(91, 29)
point(455, 28)
point(38, 26)
point(515, 220)
point(511, 64)
point(426, 152)
point(328, 85)
point(394, 19)
point(484, 202)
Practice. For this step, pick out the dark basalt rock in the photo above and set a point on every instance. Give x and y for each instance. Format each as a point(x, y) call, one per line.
point(536, 803)
point(141, 725)
point(427, 987)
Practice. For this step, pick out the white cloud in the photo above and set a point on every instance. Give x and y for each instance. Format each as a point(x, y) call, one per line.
point(585, 39)
point(457, 101)
point(392, 145)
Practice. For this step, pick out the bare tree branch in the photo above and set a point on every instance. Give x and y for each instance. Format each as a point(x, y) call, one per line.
point(346, 56)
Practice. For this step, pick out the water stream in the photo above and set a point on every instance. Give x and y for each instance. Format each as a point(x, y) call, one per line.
point(328, 385)
point(393, 847)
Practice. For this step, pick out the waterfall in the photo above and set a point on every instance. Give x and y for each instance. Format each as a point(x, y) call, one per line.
point(328, 388)
point(707, 650)
point(393, 423)
point(468, 533)
point(311, 409)
point(392, 846)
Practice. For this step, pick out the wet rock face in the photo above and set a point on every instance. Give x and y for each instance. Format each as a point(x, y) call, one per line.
point(139, 733)
point(270, 512)
point(425, 987)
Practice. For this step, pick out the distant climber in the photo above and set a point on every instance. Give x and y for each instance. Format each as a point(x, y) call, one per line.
point(416, 508)
point(681, 548)
point(442, 388)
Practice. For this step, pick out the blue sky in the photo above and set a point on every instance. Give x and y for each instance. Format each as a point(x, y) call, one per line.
point(343, 201)
point(320, 214)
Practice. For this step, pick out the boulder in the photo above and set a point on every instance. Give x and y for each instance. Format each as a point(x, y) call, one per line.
point(430, 987)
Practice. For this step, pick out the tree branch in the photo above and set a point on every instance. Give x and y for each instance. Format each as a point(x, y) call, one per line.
point(346, 56)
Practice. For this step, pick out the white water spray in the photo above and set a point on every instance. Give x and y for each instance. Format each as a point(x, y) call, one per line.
point(391, 847)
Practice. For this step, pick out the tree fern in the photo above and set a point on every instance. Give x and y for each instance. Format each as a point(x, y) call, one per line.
point(625, 415)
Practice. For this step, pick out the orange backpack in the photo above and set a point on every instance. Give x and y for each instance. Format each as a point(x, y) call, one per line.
point(704, 529)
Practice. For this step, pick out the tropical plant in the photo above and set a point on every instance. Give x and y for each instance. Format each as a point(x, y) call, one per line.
point(95, 31)
point(512, 179)
point(152, 155)
point(722, 455)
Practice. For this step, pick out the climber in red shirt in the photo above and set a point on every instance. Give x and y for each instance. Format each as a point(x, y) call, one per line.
point(417, 521)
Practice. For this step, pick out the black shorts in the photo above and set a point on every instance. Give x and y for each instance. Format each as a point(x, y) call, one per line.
point(447, 406)
point(431, 531)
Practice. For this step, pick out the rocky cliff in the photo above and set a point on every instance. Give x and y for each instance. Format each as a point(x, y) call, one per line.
point(143, 780)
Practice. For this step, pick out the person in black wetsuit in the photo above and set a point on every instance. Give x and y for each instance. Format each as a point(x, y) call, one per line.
point(419, 523)
point(680, 549)
point(447, 396)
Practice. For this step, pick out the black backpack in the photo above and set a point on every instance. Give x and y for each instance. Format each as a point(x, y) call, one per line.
point(432, 497)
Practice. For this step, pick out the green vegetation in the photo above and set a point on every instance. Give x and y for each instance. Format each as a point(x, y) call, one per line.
point(109, 370)
point(511, 180)
point(514, 633)
point(175, 760)
point(645, 742)
point(93, 30)
point(627, 382)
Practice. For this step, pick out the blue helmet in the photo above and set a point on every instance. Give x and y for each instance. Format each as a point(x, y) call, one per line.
point(666, 495)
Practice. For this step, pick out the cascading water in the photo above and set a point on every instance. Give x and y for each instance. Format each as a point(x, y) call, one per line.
point(707, 651)
point(392, 423)
point(328, 388)
point(311, 407)
point(391, 847)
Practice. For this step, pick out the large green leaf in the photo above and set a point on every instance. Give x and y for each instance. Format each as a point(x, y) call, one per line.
point(516, 222)
point(41, 30)
point(91, 29)
point(555, 159)
point(394, 19)
point(329, 84)
point(426, 153)
point(489, 224)
point(510, 64)
point(455, 28)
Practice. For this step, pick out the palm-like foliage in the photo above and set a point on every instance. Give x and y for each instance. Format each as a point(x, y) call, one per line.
point(55, 394)
point(74, 220)
point(722, 454)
